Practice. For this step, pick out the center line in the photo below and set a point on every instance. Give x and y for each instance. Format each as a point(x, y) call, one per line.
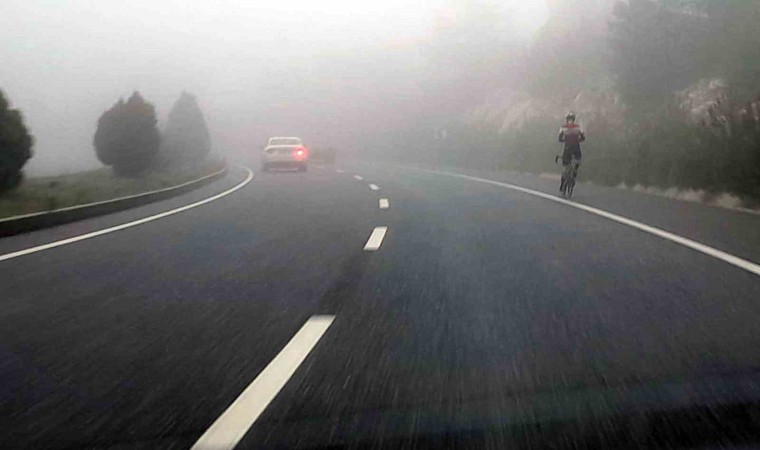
point(358, 177)
point(374, 187)
point(385, 203)
point(231, 426)
point(375, 239)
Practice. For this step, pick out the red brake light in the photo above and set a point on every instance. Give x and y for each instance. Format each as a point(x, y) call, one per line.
point(301, 152)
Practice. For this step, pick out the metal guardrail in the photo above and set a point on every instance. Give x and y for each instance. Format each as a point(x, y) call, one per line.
point(10, 226)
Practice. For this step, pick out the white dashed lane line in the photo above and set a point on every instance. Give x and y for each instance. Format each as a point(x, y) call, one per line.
point(231, 426)
point(358, 177)
point(338, 171)
point(374, 187)
point(384, 203)
point(375, 239)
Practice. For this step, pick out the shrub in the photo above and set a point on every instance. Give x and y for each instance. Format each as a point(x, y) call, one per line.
point(15, 145)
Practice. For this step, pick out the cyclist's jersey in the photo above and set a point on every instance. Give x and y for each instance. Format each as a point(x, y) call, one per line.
point(571, 134)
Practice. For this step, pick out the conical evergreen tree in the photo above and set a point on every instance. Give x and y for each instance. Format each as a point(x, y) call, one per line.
point(186, 139)
point(127, 137)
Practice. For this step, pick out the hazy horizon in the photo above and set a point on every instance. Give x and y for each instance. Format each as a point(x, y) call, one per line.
point(276, 67)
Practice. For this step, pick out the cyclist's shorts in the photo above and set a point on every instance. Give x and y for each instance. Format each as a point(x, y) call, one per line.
point(571, 154)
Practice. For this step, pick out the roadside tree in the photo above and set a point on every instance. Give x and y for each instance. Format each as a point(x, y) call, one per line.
point(127, 138)
point(186, 138)
point(15, 145)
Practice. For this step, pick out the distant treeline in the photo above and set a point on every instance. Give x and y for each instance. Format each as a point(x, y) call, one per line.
point(127, 139)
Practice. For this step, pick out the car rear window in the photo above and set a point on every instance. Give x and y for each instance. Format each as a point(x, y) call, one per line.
point(284, 141)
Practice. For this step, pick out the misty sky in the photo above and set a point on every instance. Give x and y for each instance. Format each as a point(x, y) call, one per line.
point(257, 68)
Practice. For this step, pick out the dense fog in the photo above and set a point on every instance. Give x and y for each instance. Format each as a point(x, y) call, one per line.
point(666, 89)
point(332, 72)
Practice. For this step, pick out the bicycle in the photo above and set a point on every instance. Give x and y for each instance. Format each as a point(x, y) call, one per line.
point(569, 175)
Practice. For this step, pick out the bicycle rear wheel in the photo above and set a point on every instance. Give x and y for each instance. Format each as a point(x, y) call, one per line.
point(571, 179)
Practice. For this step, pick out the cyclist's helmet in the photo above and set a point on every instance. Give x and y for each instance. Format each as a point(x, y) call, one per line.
point(570, 116)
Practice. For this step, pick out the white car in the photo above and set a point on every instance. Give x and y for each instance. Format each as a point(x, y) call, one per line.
point(285, 153)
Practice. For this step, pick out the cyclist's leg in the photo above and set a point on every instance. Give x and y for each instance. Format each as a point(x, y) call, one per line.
point(566, 160)
point(566, 174)
point(576, 166)
point(576, 162)
point(567, 171)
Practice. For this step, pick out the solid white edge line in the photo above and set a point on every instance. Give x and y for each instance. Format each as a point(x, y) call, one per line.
point(112, 200)
point(358, 177)
point(374, 187)
point(384, 203)
point(93, 234)
point(375, 239)
point(694, 245)
point(237, 419)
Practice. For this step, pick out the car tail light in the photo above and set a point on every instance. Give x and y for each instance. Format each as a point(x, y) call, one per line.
point(301, 152)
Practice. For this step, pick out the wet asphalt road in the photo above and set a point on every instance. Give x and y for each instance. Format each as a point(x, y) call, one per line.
point(483, 308)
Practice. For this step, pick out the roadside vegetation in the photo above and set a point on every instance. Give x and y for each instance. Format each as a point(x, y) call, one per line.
point(186, 138)
point(138, 158)
point(15, 145)
point(49, 193)
point(668, 92)
point(127, 138)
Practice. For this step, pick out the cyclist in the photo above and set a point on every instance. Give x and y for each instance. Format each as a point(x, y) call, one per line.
point(571, 135)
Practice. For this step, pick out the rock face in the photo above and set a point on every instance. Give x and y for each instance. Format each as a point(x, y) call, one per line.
point(508, 111)
point(564, 69)
point(704, 102)
point(707, 102)
point(703, 99)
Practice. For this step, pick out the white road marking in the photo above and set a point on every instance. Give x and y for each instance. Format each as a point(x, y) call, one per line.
point(374, 187)
point(385, 203)
point(93, 234)
point(87, 205)
point(375, 239)
point(231, 426)
point(338, 170)
point(358, 177)
point(694, 245)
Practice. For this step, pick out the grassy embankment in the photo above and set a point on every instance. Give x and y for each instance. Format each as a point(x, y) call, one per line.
point(49, 193)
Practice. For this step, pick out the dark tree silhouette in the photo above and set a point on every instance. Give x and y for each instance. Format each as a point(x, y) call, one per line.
point(15, 145)
point(186, 138)
point(127, 138)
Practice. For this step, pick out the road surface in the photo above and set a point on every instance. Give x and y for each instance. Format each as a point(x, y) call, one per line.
point(372, 305)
